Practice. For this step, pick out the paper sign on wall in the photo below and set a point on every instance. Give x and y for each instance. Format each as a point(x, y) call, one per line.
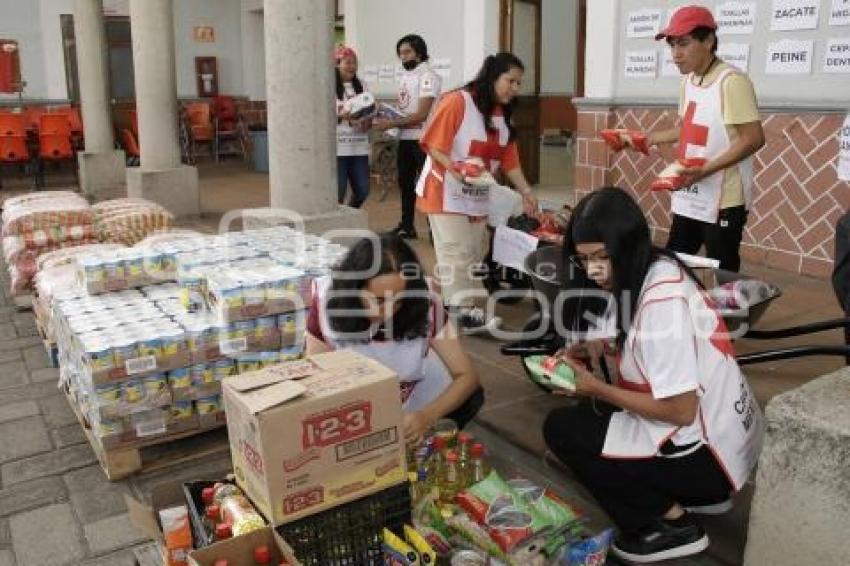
point(370, 74)
point(839, 15)
point(442, 67)
point(386, 73)
point(844, 150)
point(789, 57)
point(668, 67)
point(643, 23)
point(735, 17)
point(737, 54)
point(641, 64)
point(794, 14)
point(836, 57)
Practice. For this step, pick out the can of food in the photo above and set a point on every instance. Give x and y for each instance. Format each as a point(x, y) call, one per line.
point(92, 269)
point(231, 294)
point(169, 263)
point(110, 426)
point(287, 323)
point(247, 365)
point(133, 391)
point(291, 353)
point(181, 410)
point(201, 374)
point(198, 337)
point(150, 344)
point(222, 369)
point(468, 558)
point(99, 355)
point(152, 263)
point(180, 378)
point(109, 393)
point(208, 405)
point(173, 341)
point(124, 348)
point(254, 293)
point(113, 268)
point(192, 284)
point(244, 328)
point(266, 329)
point(134, 264)
point(275, 287)
point(156, 384)
point(269, 358)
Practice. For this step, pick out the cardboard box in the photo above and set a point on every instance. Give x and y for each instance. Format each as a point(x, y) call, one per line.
point(306, 436)
point(237, 550)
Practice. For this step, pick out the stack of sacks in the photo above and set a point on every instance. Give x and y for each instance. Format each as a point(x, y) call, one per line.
point(129, 220)
point(36, 223)
point(57, 276)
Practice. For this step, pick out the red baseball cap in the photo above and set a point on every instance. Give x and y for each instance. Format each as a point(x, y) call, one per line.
point(687, 19)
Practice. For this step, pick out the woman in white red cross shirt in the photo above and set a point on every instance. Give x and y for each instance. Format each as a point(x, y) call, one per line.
point(473, 121)
point(678, 429)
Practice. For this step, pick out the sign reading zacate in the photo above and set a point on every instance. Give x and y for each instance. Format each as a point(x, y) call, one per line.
point(794, 14)
point(789, 57)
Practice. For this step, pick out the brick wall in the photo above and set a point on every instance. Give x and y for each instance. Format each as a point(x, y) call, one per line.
point(797, 197)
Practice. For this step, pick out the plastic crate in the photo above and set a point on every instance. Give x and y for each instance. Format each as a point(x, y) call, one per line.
point(350, 534)
point(192, 490)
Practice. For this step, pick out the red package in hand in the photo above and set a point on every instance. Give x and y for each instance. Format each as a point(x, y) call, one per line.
point(619, 138)
point(671, 178)
point(468, 168)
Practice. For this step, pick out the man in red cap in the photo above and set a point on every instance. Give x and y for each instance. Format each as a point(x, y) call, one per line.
point(719, 122)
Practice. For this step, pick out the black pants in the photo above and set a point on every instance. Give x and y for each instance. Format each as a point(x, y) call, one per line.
point(722, 239)
point(633, 492)
point(411, 158)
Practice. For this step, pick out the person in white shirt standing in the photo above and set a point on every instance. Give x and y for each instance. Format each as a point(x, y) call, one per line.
point(352, 136)
point(679, 429)
point(419, 87)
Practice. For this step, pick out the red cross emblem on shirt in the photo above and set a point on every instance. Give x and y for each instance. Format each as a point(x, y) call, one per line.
point(692, 133)
point(489, 150)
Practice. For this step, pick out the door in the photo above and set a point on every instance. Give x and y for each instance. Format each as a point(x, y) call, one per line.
point(520, 31)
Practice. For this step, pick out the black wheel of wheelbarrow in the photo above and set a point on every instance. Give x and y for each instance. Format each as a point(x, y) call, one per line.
point(497, 277)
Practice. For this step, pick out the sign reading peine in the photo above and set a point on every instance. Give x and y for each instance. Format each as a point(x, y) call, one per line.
point(836, 58)
point(735, 17)
point(643, 23)
point(641, 64)
point(789, 57)
point(794, 14)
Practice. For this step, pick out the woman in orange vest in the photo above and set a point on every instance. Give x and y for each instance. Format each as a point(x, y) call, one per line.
point(473, 122)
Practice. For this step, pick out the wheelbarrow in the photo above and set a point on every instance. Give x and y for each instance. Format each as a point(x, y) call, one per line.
point(546, 269)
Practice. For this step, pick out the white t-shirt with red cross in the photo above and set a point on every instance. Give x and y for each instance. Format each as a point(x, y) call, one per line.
point(421, 82)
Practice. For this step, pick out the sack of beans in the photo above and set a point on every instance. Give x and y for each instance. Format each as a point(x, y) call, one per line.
point(129, 220)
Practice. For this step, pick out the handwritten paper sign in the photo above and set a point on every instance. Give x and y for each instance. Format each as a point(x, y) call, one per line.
point(794, 14)
point(737, 54)
point(386, 73)
point(511, 247)
point(844, 150)
point(735, 17)
point(641, 64)
point(643, 23)
point(839, 15)
point(789, 57)
point(836, 58)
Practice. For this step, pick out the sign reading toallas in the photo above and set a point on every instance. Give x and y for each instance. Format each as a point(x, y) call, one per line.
point(641, 64)
point(737, 54)
point(794, 14)
point(735, 17)
point(836, 58)
point(839, 15)
point(789, 57)
point(643, 23)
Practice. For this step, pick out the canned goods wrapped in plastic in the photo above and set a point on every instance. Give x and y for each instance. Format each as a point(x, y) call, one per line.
point(109, 393)
point(156, 384)
point(113, 268)
point(150, 345)
point(208, 405)
point(133, 391)
point(181, 410)
point(124, 348)
point(180, 378)
point(134, 264)
point(99, 355)
point(201, 374)
point(223, 369)
point(91, 267)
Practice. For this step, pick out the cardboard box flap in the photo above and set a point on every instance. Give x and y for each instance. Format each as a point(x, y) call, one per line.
point(258, 400)
point(272, 375)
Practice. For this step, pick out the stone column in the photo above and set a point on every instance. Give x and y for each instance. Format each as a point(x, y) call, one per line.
point(161, 177)
point(102, 167)
point(301, 120)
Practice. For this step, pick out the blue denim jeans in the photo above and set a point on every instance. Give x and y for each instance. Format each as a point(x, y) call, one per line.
point(353, 169)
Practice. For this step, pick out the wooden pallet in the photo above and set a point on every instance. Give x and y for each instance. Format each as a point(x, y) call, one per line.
point(118, 463)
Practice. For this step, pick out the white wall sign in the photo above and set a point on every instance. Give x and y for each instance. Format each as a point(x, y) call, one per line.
point(844, 150)
point(836, 57)
point(641, 64)
point(386, 73)
point(643, 23)
point(668, 68)
point(735, 17)
point(789, 57)
point(370, 74)
point(839, 15)
point(737, 54)
point(442, 67)
point(794, 14)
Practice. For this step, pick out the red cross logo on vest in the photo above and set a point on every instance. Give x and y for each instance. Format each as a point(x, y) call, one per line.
point(692, 133)
point(489, 150)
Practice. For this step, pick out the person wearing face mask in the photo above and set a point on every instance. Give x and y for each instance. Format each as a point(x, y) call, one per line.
point(679, 429)
point(379, 303)
point(352, 135)
point(474, 121)
point(719, 122)
point(418, 88)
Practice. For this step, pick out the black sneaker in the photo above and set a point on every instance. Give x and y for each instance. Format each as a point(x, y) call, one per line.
point(406, 233)
point(662, 540)
point(474, 321)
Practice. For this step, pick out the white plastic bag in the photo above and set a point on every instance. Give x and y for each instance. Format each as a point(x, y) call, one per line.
point(504, 203)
